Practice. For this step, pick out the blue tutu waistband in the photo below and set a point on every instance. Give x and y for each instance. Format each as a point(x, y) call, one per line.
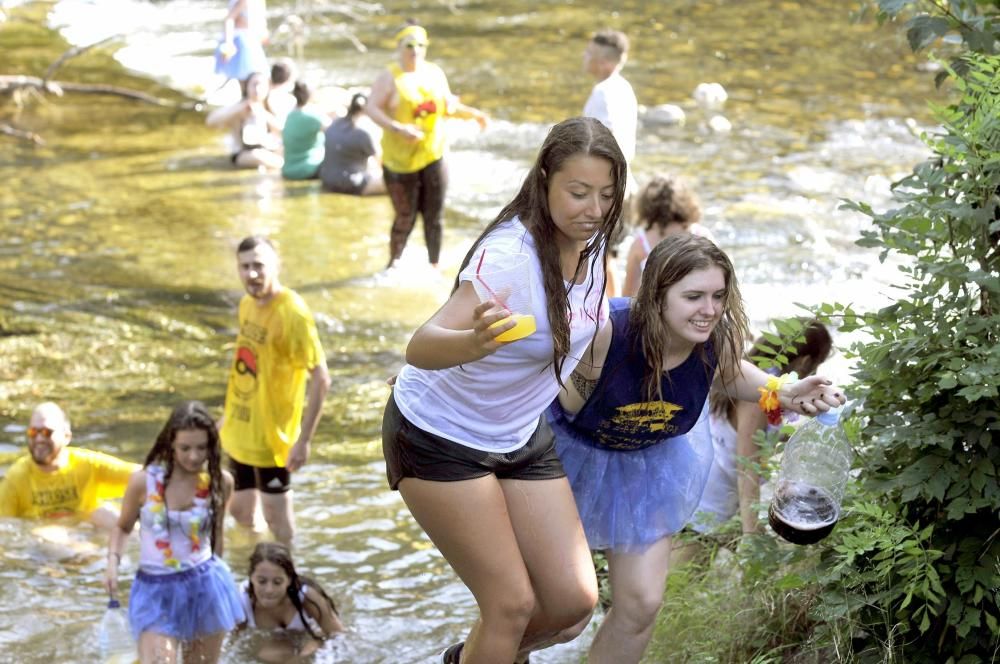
point(185, 605)
point(630, 499)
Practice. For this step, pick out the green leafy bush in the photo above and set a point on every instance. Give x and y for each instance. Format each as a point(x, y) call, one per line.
point(920, 569)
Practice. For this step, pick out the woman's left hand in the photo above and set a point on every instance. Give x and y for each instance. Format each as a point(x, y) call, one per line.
point(811, 395)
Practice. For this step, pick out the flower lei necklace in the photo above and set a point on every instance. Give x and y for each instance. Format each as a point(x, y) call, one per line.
point(161, 529)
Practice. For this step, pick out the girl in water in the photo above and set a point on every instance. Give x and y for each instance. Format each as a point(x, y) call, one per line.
point(276, 597)
point(667, 206)
point(631, 425)
point(255, 133)
point(183, 599)
point(460, 432)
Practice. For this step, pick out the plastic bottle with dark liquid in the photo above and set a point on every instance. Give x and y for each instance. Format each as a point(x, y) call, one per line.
point(810, 483)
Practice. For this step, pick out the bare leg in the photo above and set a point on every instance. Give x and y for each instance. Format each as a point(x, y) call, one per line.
point(279, 516)
point(469, 523)
point(158, 649)
point(259, 157)
point(205, 650)
point(554, 549)
point(637, 583)
point(245, 508)
point(683, 553)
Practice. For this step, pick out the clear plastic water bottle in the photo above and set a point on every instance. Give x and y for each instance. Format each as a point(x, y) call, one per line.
point(115, 637)
point(810, 483)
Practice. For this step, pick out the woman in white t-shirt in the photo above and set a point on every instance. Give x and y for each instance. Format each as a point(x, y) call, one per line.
point(460, 432)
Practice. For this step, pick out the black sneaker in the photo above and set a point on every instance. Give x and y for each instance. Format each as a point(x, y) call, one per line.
point(453, 655)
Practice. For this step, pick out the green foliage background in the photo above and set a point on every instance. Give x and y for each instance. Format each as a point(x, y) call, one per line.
point(912, 571)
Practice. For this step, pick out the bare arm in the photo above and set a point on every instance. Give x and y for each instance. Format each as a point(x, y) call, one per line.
point(459, 110)
point(225, 116)
point(229, 23)
point(378, 107)
point(319, 385)
point(135, 496)
point(583, 380)
point(633, 270)
point(458, 333)
point(811, 395)
point(218, 538)
point(749, 420)
point(322, 612)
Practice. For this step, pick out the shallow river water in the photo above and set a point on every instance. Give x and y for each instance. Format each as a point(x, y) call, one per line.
point(118, 285)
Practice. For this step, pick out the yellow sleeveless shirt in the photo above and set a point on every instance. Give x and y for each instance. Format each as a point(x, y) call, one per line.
point(422, 103)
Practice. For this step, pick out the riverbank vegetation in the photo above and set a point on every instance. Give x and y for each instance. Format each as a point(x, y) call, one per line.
point(912, 571)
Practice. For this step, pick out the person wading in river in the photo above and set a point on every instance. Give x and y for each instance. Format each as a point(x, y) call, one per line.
point(410, 100)
point(264, 430)
point(55, 480)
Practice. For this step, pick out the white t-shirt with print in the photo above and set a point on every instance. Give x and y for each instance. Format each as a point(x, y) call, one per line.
point(493, 404)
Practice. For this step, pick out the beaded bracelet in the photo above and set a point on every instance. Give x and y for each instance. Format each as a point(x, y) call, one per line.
point(769, 402)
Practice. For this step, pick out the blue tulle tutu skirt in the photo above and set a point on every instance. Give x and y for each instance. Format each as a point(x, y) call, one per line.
point(249, 58)
point(185, 605)
point(630, 499)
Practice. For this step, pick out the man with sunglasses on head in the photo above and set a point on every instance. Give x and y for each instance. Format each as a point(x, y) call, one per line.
point(410, 100)
point(55, 480)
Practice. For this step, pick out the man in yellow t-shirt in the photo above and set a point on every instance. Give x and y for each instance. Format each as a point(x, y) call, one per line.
point(410, 100)
point(55, 480)
point(278, 367)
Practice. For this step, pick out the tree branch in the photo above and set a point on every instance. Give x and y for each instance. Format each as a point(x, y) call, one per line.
point(8, 130)
point(72, 53)
point(12, 83)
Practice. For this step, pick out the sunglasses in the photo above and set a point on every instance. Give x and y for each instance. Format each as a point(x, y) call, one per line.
point(34, 431)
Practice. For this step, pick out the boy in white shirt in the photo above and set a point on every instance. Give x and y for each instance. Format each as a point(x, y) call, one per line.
point(613, 103)
point(612, 100)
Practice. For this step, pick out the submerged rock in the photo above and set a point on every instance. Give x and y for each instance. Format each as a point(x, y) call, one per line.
point(664, 114)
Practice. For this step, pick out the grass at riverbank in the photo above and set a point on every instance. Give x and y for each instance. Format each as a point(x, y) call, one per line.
point(739, 603)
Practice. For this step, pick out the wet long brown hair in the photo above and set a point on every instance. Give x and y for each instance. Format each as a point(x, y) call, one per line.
point(670, 261)
point(192, 415)
point(278, 554)
point(569, 138)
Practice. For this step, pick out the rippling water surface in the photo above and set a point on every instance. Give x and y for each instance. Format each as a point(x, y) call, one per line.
point(118, 286)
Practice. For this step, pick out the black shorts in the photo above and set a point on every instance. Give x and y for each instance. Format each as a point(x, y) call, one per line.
point(412, 452)
point(265, 480)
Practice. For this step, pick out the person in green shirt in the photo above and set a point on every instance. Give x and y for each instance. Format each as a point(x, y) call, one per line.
point(54, 480)
point(303, 136)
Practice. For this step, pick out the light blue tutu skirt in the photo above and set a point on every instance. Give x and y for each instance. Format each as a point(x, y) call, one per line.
point(248, 59)
point(185, 605)
point(630, 499)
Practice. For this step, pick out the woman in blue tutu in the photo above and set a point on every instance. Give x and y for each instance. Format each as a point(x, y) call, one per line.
point(241, 51)
point(631, 426)
point(183, 599)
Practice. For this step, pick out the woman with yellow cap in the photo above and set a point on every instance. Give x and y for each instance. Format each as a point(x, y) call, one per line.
point(409, 100)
